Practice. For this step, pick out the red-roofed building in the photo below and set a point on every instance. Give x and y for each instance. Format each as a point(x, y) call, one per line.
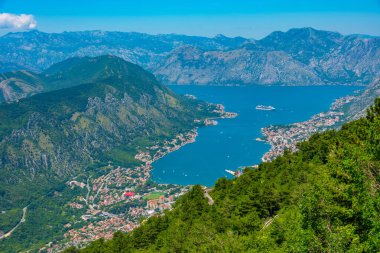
point(129, 194)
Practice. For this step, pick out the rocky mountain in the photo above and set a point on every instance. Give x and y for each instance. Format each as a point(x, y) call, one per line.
point(98, 110)
point(19, 84)
point(188, 65)
point(358, 107)
point(37, 51)
point(314, 42)
point(302, 56)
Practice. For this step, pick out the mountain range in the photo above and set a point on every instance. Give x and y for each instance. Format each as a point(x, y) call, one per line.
point(68, 106)
point(300, 56)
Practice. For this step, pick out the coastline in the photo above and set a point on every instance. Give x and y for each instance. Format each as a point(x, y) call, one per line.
point(169, 146)
point(286, 137)
point(100, 194)
point(182, 138)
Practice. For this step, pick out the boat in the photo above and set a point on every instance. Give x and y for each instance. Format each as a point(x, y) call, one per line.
point(231, 172)
point(236, 173)
point(260, 140)
point(265, 108)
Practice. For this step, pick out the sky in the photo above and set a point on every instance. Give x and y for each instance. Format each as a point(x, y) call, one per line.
point(247, 18)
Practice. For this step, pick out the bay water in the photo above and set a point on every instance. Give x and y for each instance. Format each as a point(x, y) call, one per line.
point(231, 143)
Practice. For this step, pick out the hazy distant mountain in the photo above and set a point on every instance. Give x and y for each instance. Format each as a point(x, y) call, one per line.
point(190, 65)
point(36, 50)
point(302, 56)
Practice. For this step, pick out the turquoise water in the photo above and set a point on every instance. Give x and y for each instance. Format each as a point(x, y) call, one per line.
point(232, 143)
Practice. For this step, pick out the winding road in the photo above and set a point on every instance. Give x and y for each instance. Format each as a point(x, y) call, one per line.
point(269, 222)
point(210, 200)
point(23, 219)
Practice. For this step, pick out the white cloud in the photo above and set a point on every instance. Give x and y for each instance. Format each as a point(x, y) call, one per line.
point(12, 21)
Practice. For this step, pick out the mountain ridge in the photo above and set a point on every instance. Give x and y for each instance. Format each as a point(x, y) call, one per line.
point(16, 85)
point(318, 57)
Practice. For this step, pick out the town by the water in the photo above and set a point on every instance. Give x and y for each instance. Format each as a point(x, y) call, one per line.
point(286, 137)
point(122, 198)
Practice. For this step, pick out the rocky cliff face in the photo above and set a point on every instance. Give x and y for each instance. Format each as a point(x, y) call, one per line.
point(297, 57)
point(242, 66)
point(20, 84)
point(358, 107)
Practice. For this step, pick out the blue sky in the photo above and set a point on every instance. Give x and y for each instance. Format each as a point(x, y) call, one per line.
point(248, 18)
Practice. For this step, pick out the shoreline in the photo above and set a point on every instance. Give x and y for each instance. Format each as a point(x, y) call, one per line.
point(99, 195)
point(184, 138)
point(169, 147)
point(286, 137)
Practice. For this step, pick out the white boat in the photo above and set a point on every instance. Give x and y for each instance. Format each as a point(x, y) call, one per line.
point(236, 173)
point(265, 108)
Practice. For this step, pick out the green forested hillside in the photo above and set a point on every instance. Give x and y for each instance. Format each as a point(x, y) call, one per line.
point(111, 111)
point(323, 198)
point(55, 135)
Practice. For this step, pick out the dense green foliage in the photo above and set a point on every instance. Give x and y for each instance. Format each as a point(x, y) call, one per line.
point(323, 198)
point(45, 219)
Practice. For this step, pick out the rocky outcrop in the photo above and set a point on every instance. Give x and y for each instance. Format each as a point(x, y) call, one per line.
point(19, 84)
point(358, 107)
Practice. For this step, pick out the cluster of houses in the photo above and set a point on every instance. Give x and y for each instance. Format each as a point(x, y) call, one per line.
point(286, 137)
point(161, 202)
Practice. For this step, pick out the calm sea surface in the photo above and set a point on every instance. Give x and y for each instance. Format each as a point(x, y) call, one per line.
point(232, 143)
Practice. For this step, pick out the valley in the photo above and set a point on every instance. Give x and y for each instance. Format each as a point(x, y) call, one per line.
point(105, 198)
point(94, 147)
point(232, 144)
